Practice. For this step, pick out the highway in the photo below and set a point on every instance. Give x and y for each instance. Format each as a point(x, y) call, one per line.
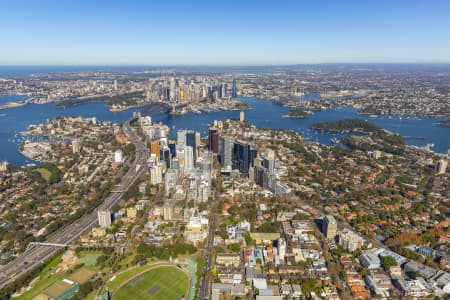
point(37, 255)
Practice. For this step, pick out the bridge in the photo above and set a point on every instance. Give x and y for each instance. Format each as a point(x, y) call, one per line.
point(46, 244)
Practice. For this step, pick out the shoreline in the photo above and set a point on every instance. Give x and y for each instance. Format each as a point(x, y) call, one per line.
point(91, 99)
point(382, 119)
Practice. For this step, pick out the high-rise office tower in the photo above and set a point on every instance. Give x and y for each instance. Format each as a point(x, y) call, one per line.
point(175, 163)
point(226, 153)
point(181, 139)
point(224, 90)
point(173, 150)
point(234, 89)
point(269, 164)
point(172, 89)
point(154, 149)
point(259, 176)
point(219, 92)
point(191, 141)
point(243, 156)
point(188, 158)
point(197, 139)
point(213, 140)
point(165, 156)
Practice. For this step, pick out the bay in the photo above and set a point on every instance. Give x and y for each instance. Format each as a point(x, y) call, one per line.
point(263, 114)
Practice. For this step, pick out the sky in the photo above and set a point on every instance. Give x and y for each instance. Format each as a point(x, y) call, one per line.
point(189, 32)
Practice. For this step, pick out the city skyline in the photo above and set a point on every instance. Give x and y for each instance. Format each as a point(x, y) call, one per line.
point(230, 33)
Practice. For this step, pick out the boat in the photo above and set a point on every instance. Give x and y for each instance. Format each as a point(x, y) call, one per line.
point(334, 140)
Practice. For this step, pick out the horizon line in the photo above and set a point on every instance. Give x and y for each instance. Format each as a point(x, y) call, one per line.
point(226, 65)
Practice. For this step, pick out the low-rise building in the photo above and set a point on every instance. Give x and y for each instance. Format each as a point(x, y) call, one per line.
point(419, 268)
point(414, 288)
point(370, 259)
point(228, 259)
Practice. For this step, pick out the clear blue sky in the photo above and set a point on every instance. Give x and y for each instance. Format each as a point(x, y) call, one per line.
point(188, 32)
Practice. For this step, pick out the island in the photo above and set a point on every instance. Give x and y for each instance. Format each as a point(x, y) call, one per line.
point(297, 113)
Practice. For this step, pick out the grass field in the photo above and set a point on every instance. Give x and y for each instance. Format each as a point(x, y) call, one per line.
point(46, 278)
point(44, 173)
point(161, 283)
point(91, 259)
point(127, 274)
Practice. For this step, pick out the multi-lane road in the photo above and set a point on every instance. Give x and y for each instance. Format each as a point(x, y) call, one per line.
point(37, 255)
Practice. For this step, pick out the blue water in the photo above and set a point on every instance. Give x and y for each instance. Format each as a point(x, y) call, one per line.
point(11, 98)
point(263, 114)
point(17, 119)
point(266, 115)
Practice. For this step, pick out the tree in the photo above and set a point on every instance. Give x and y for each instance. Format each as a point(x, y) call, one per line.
point(234, 247)
point(387, 262)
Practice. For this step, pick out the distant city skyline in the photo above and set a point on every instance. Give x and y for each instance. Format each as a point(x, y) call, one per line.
point(231, 33)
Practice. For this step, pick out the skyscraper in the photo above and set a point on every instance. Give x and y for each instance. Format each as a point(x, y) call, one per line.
point(269, 164)
point(173, 150)
point(181, 139)
point(226, 153)
point(220, 91)
point(197, 139)
point(188, 138)
point(213, 140)
point(154, 149)
point(243, 156)
point(224, 90)
point(156, 175)
point(191, 141)
point(165, 156)
point(259, 176)
point(234, 89)
point(188, 158)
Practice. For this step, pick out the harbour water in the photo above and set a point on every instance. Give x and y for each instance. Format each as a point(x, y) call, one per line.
point(263, 114)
